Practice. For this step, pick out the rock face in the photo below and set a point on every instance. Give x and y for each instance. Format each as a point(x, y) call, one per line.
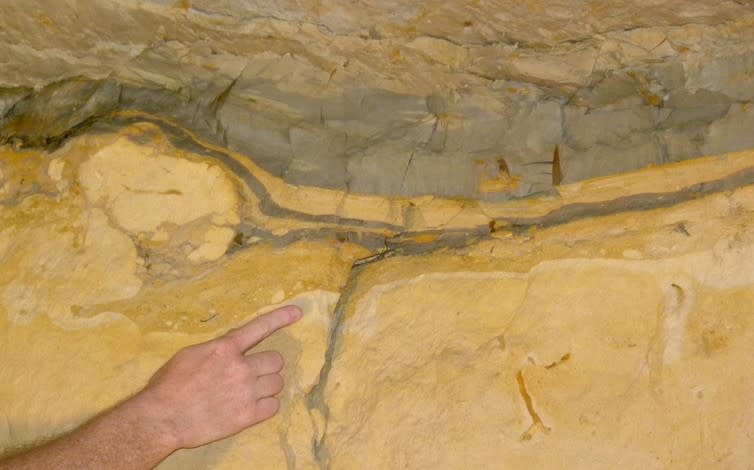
point(492, 214)
point(438, 333)
point(393, 99)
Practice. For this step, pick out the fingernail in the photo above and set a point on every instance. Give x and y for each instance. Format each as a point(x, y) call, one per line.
point(297, 312)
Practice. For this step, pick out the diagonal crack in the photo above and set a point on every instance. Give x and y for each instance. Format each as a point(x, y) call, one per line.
point(315, 401)
point(536, 422)
point(405, 170)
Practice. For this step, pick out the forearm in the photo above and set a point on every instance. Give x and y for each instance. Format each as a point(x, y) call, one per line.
point(127, 437)
point(205, 392)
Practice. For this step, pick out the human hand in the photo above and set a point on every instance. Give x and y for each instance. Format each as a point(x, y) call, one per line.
point(212, 390)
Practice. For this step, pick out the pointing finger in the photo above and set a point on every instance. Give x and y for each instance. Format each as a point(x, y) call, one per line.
point(248, 335)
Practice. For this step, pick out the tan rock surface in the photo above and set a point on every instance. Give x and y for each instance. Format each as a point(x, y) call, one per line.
point(605, 325)
point(86, 318)
point(217, 159)
point(556, 351)
point(521, 232)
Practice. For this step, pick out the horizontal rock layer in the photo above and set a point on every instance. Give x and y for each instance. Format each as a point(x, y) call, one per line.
point(605, 324)
point(521, 233)
point(448, 98)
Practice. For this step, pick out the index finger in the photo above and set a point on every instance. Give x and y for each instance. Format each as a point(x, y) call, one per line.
point(250, 334)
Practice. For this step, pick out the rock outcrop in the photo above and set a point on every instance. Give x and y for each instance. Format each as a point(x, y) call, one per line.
point(444, 98)
point(521, 234)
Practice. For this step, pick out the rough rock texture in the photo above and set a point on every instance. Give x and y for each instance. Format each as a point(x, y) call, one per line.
point(607, 325)
point(91, 306)
point(461, 98)
point(521, 232)
point(585, 356)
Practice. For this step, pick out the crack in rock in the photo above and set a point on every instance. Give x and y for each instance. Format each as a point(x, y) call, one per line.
point(316, 403)
point(536, 421)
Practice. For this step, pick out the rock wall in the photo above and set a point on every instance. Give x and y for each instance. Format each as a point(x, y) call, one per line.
point(606, 326)
point(461, 98)
point(521, 234)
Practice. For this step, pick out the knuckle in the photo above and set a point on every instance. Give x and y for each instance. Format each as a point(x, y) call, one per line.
point(267, 361)
point(266, 411)
point(276, 359)
point(247, 415)
point(279, 383)
point(274, 406)
point(263, 328)
point(224, 346)
point(246, 373)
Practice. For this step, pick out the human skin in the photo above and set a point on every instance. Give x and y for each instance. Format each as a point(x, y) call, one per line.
point(204, 393)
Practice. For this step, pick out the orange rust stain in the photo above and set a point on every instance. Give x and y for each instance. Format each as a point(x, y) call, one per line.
point(425, 238)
